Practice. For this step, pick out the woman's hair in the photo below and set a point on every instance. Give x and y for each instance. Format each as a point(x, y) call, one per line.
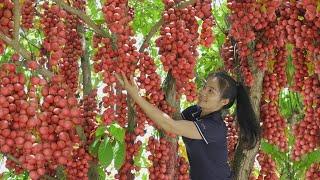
point(230, 89)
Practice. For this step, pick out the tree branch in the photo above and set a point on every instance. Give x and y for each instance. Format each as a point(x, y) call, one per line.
point(81, 15)
point(12, 158)
point(15, 45)
point(25, 54)
point(155, 28)
point(16, 19)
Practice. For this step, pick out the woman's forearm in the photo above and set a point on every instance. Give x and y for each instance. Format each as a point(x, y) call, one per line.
point(158, 116)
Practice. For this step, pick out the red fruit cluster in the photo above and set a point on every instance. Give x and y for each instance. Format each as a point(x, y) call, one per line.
point(251, 21)
point(307, 130)
point(79, 4)
point(301, 69)
point(132, 149)
point(312, 15)
point(204, 12)
point(6, 20)
point(263, 52)
point(41, 135)
point(54, 31)
point(78, 166)
point(313, 172)
point(280, 64)
point(90, 111)
point(273, 124)
point(301, 33)
point(28, 11)
point(232, 135)
point(268, 167)
point(273, 127)
point(177, 46)
point(103, 61)
point(160, 158)
point(227, 54)
point(182, 168)
point(245, 70)
point(15, 112)
point(72, 52)
point(150, 81)
point(115, 54)
point(6, 17)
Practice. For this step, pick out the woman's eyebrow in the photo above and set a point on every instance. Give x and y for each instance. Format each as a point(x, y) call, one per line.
point(211, 87)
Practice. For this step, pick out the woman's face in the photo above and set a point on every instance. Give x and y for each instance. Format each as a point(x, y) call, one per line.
point(209, 96)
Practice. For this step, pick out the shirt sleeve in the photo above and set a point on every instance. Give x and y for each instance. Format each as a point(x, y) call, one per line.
point(211, 130)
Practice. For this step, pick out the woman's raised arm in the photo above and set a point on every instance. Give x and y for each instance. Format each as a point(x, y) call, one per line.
point(180, 127)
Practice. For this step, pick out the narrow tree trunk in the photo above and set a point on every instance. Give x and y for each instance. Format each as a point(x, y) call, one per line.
point(85, 64)
point(131, 126)
point(87, 88)
point(170, 94)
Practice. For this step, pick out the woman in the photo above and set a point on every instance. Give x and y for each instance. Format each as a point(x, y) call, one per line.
point(202, 128)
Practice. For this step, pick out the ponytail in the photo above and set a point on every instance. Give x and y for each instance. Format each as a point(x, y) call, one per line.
point(248, 123)
point(246, 117)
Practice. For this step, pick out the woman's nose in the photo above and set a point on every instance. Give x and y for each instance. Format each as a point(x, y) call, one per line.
point(203, 92)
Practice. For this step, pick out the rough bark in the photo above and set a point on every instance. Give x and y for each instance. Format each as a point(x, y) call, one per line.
point(170, 95)
point(85, 64)
point(131, 125)
point(244, 159)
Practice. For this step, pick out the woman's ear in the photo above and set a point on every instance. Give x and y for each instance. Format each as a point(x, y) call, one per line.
point(225, 101)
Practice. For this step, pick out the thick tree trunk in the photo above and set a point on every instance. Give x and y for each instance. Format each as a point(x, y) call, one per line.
point(244, 159)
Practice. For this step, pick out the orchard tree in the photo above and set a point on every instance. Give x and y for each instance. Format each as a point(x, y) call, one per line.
point(63, 115)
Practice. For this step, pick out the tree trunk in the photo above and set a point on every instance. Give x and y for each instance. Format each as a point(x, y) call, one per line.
point(170, 94)
point(244, 159)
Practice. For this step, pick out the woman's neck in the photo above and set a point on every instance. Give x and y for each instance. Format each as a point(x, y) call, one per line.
point(206, 112)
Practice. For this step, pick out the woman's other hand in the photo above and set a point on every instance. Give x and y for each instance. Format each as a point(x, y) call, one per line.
point(131, 86)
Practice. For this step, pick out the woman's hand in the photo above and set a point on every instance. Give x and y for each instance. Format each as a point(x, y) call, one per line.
point(131, 88)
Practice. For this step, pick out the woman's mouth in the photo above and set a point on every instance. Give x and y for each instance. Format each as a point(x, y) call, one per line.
point(201, 99)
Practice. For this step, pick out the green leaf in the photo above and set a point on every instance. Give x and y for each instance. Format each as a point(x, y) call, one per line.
point(99, 21)
point(117, 132)
point(93, 149)
point(308, 159)
point(102, 174)
point(105, 153)
point(81, 134)
point(119, 152)
point(145, 176)
point(61, 173)
point(92, 7)
point(137, 158)
point(100, 131)
point(273, 151)
point(25, 175)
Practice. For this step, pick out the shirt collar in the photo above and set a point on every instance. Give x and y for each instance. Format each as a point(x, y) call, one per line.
point(210, 115)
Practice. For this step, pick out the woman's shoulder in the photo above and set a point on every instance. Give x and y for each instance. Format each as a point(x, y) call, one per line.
point(187, 113)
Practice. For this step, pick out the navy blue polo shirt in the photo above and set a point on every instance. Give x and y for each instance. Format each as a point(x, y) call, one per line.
point(208, 157)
